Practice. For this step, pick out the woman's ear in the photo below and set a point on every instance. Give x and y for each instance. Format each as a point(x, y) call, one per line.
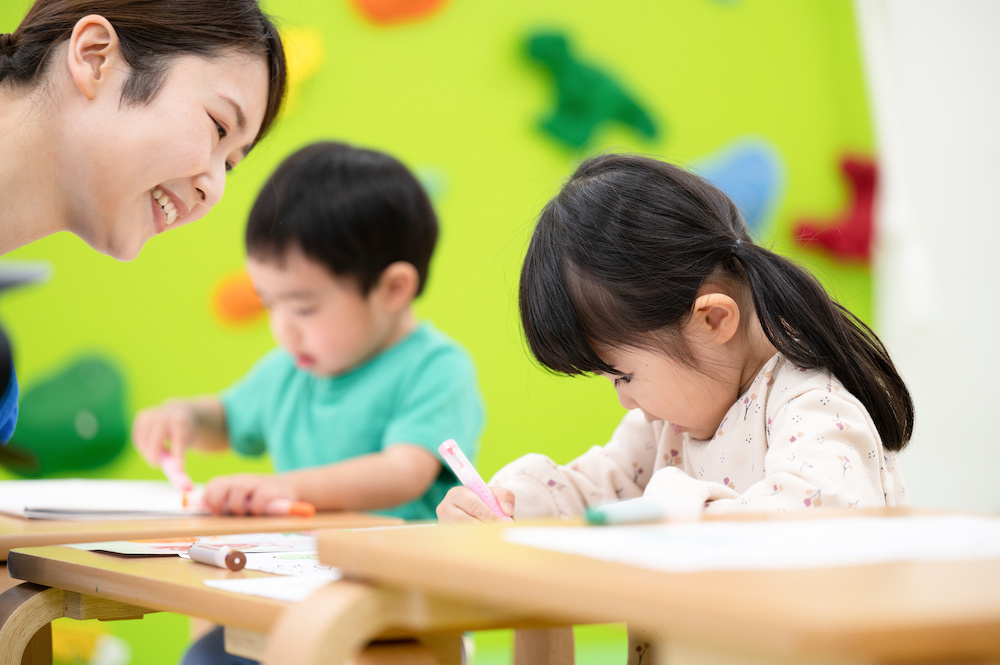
point(397, 285)
point(93, 53)
point(715, 318)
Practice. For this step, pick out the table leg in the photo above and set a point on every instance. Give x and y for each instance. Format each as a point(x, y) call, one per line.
point(39, 648)
point(332, 625)
point(547, 646)
point(336, 622)
point(26, 612)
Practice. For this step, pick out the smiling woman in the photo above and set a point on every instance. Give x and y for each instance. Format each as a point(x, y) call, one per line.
point(90, 90)
point(120, 118)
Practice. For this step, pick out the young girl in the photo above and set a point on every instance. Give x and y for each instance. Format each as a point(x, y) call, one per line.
point(748, 387)
point(120, 118)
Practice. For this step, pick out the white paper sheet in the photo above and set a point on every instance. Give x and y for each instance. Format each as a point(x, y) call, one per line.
point(816, 543)
point(92, 499)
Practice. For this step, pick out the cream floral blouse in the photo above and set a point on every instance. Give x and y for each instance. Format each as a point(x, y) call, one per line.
point(796, 439)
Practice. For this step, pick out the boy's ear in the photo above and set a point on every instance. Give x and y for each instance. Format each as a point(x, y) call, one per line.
point(93, 52)
point(397, 285)
point(715, 317)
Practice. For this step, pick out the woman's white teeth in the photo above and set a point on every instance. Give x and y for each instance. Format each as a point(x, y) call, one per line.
point(168, 207)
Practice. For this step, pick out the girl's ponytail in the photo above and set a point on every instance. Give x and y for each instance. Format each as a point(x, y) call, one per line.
point(814, 331)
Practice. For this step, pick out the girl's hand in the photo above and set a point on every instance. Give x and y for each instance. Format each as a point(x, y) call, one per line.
point(461, 504)
point(169, 428)
point(245, 493)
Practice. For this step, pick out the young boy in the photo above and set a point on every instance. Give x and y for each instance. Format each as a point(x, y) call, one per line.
point(353, 405)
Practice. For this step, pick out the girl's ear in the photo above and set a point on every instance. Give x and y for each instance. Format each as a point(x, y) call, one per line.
point(93, 53)
point(715, 318)
point(397, 285)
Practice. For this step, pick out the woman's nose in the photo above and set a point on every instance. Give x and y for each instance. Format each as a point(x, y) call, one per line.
point(211, 184)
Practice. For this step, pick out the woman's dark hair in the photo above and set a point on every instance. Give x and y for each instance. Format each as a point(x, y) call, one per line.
point(151, 33)
point(619, 255)
point(355, 211)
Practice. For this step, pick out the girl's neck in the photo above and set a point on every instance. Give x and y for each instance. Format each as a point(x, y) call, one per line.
point(758, 351)
point(27, 188)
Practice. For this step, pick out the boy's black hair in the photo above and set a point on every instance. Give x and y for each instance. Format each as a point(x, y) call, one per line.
point(619, 255)
point(353, 210)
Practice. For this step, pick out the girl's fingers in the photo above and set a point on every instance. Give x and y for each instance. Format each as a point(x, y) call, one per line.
point(462, 505)
point(505, 498)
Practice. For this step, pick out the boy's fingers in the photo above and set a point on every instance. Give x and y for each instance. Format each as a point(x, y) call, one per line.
point(238, 499)
point(153, 441)
point(178, 435)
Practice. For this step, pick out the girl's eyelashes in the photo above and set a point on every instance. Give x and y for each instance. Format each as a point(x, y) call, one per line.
point(623, 379)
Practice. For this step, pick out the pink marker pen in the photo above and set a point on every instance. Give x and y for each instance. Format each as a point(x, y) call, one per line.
point(174, 472)
point(469, 477)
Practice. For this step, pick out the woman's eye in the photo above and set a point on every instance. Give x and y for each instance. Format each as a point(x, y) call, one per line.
point(221, 130)
point(306, 311)
point(624, 378)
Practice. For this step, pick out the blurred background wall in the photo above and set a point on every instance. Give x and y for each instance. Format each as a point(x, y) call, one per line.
point(769, 98)
point(933, 69)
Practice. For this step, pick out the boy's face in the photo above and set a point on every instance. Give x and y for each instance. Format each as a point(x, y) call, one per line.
point(323, 321)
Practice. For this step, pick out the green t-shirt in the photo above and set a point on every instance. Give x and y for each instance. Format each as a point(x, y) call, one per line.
point(420, 391)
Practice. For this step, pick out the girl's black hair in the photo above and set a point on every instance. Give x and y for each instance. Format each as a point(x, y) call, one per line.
point(350, 209)
point(619, 255)
point(150, 33)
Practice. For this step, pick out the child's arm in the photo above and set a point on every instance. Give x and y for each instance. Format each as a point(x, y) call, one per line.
point(397, 475)
point(617, 470)
point(177, 425)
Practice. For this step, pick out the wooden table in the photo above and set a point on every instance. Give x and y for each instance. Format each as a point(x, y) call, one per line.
point(19, 532)
point(80, 584)
point(917, 612)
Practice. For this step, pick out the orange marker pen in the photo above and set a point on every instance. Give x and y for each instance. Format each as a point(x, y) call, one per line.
point(289, 507)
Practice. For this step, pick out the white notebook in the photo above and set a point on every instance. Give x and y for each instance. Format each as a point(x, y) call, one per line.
point(92, 499)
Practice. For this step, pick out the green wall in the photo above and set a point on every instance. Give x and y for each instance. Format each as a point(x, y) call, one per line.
point(454, 97)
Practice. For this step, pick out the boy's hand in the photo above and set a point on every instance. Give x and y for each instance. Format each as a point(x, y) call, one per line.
point(461, 504)
point(245, 493)
point(169, 428)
